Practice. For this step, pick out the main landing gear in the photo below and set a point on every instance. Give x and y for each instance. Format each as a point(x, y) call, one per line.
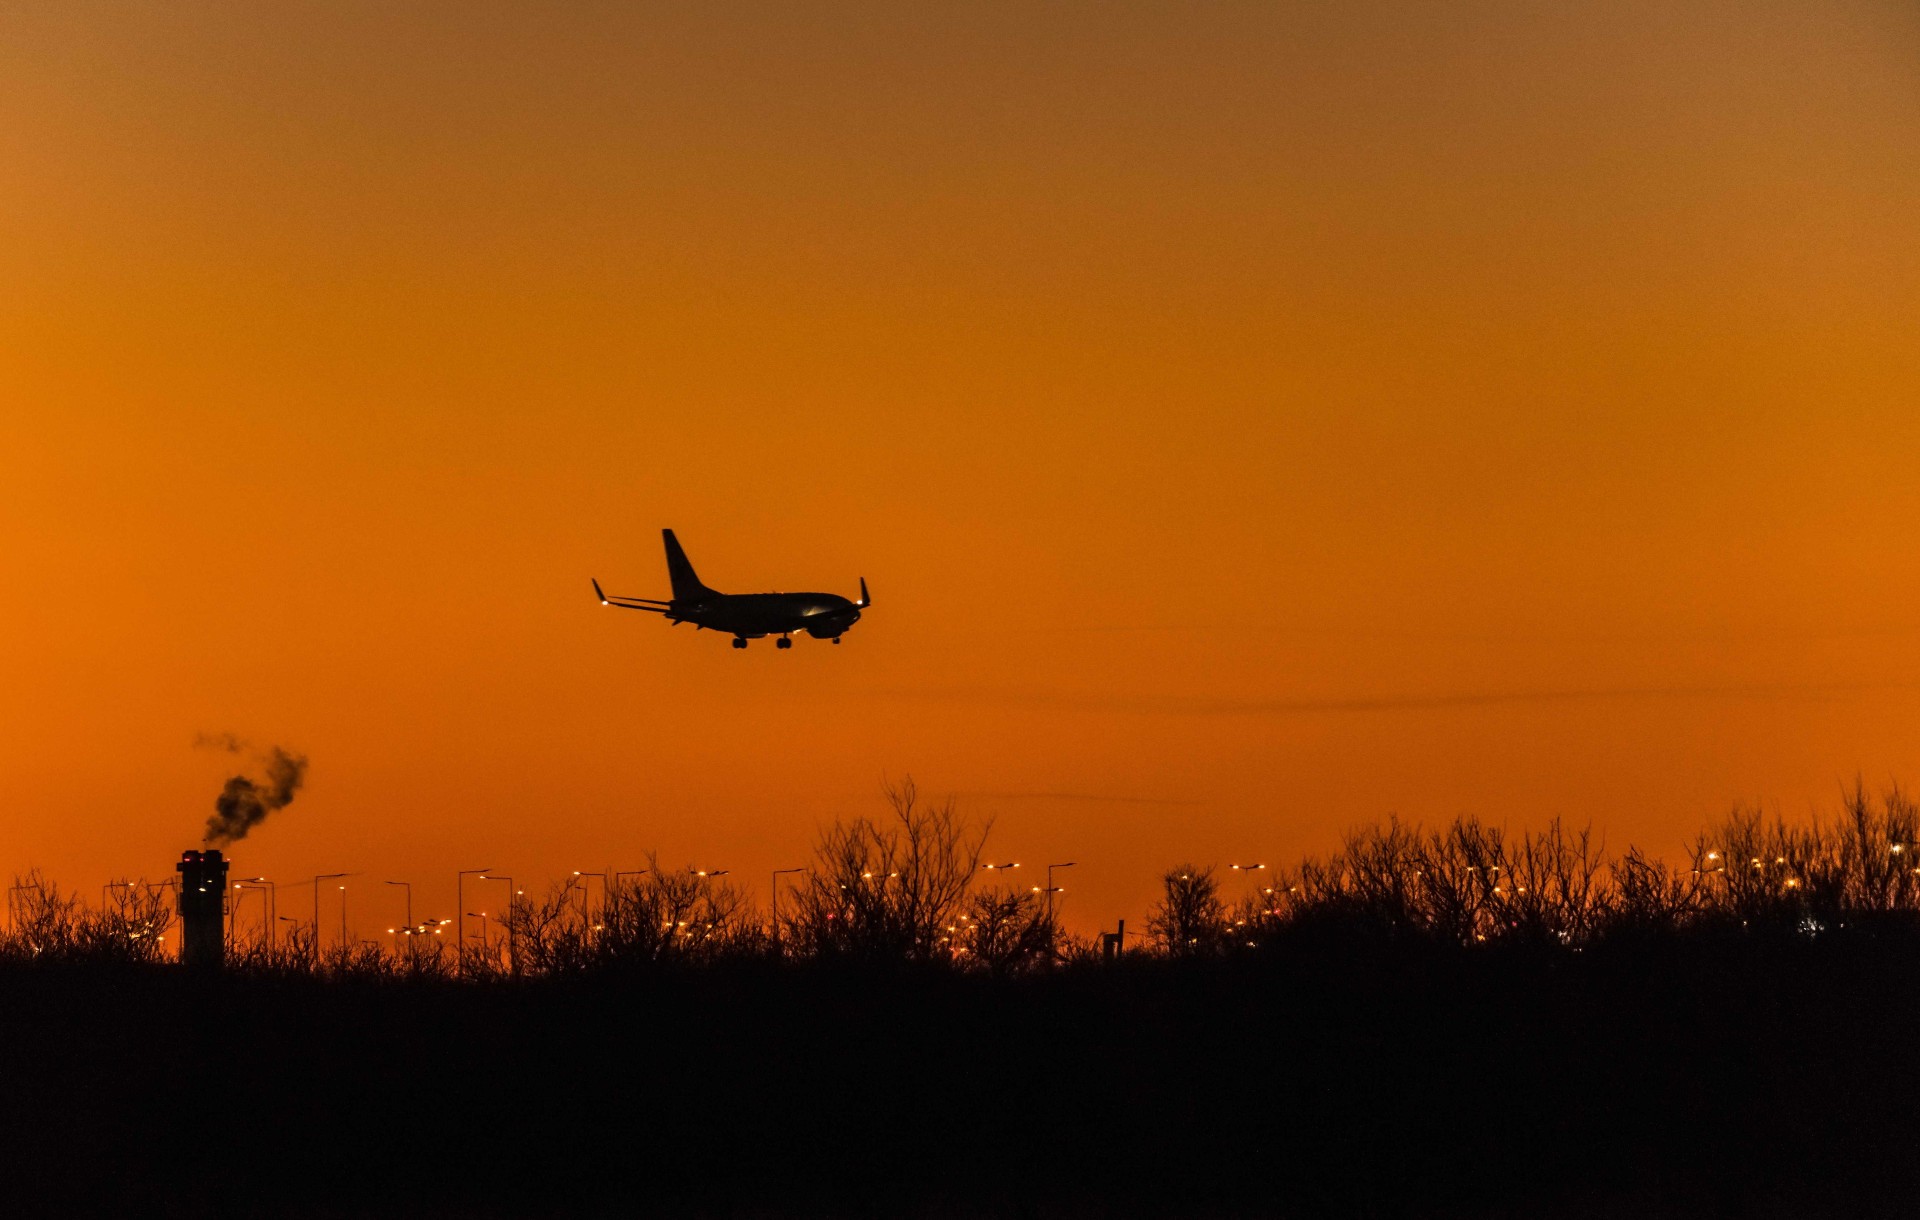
point(783, 642)
point(739, 641)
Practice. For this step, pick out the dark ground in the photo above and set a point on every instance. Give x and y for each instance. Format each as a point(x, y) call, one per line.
point(1698, 1075)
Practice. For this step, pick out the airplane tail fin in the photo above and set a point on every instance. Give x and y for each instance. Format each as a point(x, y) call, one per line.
point(686, 585)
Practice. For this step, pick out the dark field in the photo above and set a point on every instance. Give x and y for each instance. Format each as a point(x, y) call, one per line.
point(1715, 1074)
point(1451, 1024)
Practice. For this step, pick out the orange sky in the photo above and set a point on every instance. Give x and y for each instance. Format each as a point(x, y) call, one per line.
point(1252, 420)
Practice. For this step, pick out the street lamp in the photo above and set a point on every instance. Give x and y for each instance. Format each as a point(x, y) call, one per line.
point(1001, 868)
point(513, 960)
point(459, 901)
point(1247, 870)
point(777, 874)
point(268, 898)
point(317, 879)
point(273, 904)
point(1052, 889)
point(586, 896)
point(413, 955)
point(708, 874)
point(13, 901)
point(482, 917)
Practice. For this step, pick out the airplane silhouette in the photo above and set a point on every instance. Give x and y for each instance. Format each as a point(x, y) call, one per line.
point(745, 616)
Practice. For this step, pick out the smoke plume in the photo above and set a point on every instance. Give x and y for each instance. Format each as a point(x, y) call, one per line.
point(245, 803)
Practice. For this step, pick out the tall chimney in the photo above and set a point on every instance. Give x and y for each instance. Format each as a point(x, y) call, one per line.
point(203, 908)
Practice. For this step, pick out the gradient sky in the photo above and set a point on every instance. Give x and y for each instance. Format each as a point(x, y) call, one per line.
point(1252, 419)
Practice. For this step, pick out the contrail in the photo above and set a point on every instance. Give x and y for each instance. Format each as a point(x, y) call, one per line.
point(1187, 706)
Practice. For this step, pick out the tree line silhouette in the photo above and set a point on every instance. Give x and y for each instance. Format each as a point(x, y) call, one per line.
point(1458, 1022)
point(907, 888)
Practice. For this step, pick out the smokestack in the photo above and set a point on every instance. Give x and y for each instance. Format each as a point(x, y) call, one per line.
point(203, 908)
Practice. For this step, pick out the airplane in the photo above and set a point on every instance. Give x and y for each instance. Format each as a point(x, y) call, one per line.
point(745, 616)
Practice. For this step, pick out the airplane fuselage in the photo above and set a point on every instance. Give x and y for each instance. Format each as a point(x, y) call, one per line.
point(754, 615)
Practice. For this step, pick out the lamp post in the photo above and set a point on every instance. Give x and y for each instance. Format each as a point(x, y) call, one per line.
point(482, 917)
point(586, 896)
point(459, 902)
point(13, 899)
point(1052, 889)
point(1247, 871)
point(513, 960)
point(317, 879)
point(273, 903)
point(413, 955)
point(343, 917)
point(777, 874)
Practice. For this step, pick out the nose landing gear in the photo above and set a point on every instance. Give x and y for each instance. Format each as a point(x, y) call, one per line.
point(739, 641)
point(783, 642)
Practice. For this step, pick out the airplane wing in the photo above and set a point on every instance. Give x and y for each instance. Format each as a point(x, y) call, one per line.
point(629, 603)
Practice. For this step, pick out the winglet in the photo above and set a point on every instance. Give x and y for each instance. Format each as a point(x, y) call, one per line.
point(597, 593)
point(866, 599)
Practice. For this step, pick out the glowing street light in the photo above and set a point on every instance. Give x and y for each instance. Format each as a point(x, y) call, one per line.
point(1001, 868)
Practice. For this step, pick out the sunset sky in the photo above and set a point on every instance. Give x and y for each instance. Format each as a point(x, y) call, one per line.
point(1252, 420)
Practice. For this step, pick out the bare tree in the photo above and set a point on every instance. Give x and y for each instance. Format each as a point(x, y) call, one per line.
point(665, 915)
point(677, 915)
point(1189, 919)
point(1004, 932)
point(888, 889)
